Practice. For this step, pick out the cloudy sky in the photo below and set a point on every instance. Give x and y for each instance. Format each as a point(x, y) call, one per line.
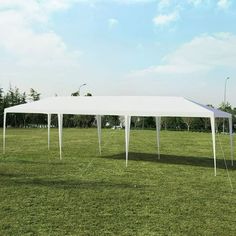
point(120, 47)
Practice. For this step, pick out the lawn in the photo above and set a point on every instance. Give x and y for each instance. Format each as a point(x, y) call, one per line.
point(89, 194)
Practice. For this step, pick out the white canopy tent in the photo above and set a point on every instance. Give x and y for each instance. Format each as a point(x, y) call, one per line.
point(126, 106)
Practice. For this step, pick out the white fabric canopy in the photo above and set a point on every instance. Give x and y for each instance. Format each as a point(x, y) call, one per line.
point(119, 105)
point(126, 106)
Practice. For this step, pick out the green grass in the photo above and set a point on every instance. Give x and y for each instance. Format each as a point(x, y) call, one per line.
point(89, 194)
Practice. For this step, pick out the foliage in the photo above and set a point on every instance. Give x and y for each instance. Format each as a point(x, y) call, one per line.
point(188, 121)
point(34, 95)
point(14, 97)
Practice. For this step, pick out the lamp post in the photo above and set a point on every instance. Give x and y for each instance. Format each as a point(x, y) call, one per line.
point(81, 87)
point(225, 101)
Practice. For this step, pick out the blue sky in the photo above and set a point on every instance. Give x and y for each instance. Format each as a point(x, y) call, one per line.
point(120, 47)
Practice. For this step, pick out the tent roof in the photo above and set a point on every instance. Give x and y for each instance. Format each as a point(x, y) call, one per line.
point(120, 105)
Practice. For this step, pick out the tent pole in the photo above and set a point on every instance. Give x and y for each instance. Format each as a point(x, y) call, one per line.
point(61, 130)
point(213, 131)
point(60, 117)
point(127, 132)
point(231, 140)
point(49, 126)
point(4, 132)
point(158, 128)
point(99, 127)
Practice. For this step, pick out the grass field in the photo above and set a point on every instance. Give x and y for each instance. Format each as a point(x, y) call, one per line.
point(89, 194)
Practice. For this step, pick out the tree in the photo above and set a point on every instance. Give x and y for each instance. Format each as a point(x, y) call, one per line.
point(149, 122)
point(136, 121)
point(227, 108)
point(1, 97)
point(75, 94)
point(84, 121)
point(188, 121)
point(34, 119)
point(14, 97)
point(164, 121)
point(34, 95)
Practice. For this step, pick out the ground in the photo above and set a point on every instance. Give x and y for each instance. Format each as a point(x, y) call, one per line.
point(89, 194)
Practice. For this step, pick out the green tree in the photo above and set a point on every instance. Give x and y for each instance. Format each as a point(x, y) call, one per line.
point(227, 108)
point(34, 120)
point(14, 97)
point(83, 121)
point(34, 95)
point(188, 121)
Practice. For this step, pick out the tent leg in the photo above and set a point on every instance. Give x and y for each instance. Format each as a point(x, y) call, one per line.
point(60, 122)
point(99, 127)
point(4, 132)
point(213, 131)
point(231, 140)
point(158, 128)
point(127, 132)
point(61, 130)
point(49, 126)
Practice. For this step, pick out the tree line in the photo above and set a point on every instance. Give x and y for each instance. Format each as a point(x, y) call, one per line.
point(13, 96)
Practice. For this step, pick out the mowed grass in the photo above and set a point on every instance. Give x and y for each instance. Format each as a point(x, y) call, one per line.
point(89, 194)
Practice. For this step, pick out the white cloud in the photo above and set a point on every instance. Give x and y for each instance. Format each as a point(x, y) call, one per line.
point(223, 4)
point(32, 54)
point(165, 19)
point(112, 22)
point(163, 4)
point(195, 2)
point(35, 10)
point(27, 45)
point(200, 55)
point(170, 10)
point(131, 1)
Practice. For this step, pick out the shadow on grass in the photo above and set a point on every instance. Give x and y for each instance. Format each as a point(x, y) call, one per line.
point(36, 162)
point(72, 184)
point(13, 175)
point(173, 160)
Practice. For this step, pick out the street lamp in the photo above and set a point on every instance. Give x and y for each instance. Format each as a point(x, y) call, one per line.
point(224, 105)
point(81, 87)
point(225, 90)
